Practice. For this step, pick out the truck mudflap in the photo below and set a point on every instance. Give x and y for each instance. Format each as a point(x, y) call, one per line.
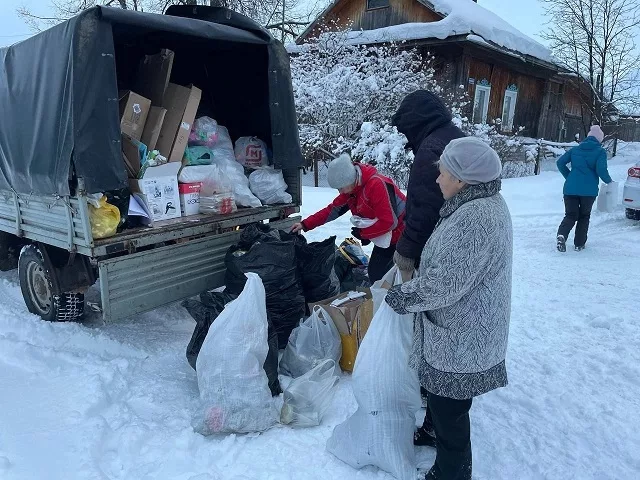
point(144, 281)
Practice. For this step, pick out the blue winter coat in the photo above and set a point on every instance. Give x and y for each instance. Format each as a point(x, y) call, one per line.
point(588, 162)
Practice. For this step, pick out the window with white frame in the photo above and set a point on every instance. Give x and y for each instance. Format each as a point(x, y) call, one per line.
point(481, 102)
point(509, 108)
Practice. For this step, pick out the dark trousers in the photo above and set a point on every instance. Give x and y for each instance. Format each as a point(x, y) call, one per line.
point(453, 438)
point(380, 262)
point(577, 209)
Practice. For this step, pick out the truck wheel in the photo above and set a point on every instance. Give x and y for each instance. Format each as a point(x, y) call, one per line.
point(633, 214)
point(35, 283)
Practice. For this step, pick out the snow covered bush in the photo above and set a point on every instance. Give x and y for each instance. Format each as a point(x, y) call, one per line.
point(384, 147)
point(338, 86)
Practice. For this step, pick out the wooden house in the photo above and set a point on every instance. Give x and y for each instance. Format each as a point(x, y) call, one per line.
point(511, 79)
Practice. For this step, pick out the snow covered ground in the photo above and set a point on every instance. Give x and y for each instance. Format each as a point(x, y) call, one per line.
point(114, 401)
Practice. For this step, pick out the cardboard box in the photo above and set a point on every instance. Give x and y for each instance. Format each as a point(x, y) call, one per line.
point(134, 109)
point(189, 198)
point(352, 320)
point(153, 76)
point(159, 190)
point(132, 151)
point(182, 105)
point(151, 131)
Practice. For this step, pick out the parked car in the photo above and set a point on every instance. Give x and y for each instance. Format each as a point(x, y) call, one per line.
point(631, 194)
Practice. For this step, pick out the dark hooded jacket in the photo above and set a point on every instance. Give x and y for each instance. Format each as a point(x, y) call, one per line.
point(426, 122)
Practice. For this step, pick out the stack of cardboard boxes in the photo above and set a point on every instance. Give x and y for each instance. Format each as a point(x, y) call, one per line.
point(158, 115)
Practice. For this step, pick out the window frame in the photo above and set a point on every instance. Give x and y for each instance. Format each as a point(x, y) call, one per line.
point(513, 94)
point(368, 8)
point(481, 87)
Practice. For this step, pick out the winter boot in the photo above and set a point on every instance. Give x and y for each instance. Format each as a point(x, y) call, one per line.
point(579, 249)
point(561, 243)
point(424, 437)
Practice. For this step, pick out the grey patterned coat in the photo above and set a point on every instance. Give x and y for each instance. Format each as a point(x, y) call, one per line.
point(462, 296)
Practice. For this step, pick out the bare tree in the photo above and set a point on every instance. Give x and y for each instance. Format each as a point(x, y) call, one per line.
point(595, 40)
point(285, 18)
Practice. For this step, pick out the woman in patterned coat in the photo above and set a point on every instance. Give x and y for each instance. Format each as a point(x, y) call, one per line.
point(462, 298)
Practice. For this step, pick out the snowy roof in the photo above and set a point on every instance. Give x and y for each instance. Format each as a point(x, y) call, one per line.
point(461, 17)
point(466, 16)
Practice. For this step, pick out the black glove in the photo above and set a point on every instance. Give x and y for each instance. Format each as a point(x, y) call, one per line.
point(355, 231)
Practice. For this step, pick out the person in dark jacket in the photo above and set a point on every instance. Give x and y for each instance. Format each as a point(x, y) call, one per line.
point(588, 163)
point(369, 195)
point(426, 122)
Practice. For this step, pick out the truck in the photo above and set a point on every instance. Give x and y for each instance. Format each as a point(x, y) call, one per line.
point(60, 142)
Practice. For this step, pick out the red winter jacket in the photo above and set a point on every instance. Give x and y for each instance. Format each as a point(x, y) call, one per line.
point(375, 196)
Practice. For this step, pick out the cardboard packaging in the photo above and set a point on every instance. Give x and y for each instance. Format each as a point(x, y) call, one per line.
point(352, 319)
point(134, 109)
point(159, 190)
point(182, 105)
point(153, 76)
point(133, 152)
point(152, 128)
point(189, 198)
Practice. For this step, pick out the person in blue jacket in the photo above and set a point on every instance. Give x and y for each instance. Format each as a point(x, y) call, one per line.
point(588, 163)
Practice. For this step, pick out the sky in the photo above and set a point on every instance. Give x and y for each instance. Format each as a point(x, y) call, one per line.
point(525, 15)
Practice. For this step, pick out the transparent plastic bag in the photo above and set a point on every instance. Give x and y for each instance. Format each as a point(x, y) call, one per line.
point(308, 397)
point(383, 383)
point(269, 186)
point(204, 132)
point(104, 218)
point(220, 203)
point(234, 389)
point(251, 152)
point(310, 344)
point(224, 158)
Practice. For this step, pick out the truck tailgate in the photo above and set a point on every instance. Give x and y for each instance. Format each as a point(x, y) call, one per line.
point(146, 280)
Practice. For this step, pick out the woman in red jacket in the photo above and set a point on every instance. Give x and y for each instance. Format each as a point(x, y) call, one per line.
point(367, 194)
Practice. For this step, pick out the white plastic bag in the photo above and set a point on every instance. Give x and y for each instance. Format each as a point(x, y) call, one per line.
point(383, 241)
point(234, 389)
point(608, 197)
point(380, 432)
point(195, 173)
point(251, 152)
point(380, 287)
point(312, 342)
point(224, 158)
point(269, 186)
point(307, 398)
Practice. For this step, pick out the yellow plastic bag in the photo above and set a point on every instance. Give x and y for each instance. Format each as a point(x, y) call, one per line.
point(104, 220)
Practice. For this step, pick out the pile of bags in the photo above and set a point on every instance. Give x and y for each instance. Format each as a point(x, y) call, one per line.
point(292, 273)
point(235, 393)
point(212, 160)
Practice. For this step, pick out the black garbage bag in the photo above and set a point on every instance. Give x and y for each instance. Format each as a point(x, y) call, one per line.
point(258, 232)
point(275, 263)
point(316, 262)
point(205, 312)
